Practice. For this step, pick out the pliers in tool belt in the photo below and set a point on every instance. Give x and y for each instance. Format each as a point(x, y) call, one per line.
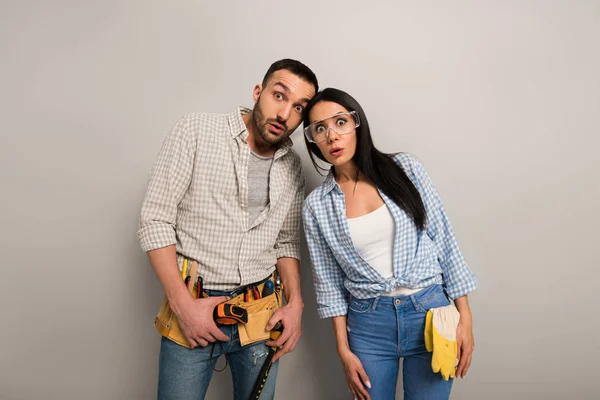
point(255, 292)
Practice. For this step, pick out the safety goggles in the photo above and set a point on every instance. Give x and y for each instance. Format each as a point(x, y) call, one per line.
point(342, 124)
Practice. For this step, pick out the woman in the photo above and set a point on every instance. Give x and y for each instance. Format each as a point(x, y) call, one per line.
point(383, 253)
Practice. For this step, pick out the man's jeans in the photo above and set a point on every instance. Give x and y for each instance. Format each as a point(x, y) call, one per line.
point(382, 330)
point(184, 374)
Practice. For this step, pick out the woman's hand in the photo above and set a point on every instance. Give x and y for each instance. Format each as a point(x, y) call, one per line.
point(356, 375)
point(465, 343)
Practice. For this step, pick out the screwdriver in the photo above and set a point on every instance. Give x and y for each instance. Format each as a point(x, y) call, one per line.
point(268, 288)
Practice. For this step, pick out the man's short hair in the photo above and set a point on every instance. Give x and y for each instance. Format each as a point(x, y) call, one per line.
point(296, 68)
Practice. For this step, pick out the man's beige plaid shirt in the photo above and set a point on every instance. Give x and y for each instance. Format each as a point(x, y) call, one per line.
point(197, 199)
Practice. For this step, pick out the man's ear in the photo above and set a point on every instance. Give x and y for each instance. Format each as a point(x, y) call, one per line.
point(256, 92)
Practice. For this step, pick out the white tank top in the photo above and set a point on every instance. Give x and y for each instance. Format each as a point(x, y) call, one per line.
point(373, 237)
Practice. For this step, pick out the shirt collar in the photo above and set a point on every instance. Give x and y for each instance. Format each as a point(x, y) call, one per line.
point(236, 123)
point(329, 183)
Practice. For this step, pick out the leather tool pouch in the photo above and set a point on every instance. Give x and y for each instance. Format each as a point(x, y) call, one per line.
point(166, 322)
point(259, 312)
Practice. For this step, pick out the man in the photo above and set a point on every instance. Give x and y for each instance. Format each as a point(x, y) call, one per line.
point(227, 192)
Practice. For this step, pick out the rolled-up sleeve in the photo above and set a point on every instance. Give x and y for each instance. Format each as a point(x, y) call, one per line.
point(457, 276)
point(169, 181)
point(328, 277)
point(288, 239)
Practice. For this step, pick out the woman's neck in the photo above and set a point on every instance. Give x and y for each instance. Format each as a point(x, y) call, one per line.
point(346, 172)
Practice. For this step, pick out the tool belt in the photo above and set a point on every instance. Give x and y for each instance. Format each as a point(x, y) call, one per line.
point(259, 308)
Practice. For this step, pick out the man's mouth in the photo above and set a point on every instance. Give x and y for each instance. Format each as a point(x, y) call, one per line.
point(276, 128)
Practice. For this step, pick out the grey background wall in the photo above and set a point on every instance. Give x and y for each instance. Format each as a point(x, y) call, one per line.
point(499, 99)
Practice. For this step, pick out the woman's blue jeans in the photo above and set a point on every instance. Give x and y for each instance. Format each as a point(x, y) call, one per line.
point(384, 329)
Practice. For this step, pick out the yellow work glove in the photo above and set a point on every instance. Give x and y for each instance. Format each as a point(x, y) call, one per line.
point(440, 338)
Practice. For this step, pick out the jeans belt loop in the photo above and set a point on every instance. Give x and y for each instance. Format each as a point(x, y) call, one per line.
point(374, 304)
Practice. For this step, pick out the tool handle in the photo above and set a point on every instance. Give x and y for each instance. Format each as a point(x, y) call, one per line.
point(268, 288)
point(255, 292)
point(264, 371)
point(264, 374)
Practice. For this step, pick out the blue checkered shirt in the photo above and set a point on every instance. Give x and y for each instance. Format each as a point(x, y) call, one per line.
point(420, 258)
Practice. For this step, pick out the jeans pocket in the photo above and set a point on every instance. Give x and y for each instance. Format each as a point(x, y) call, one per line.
point(436, 297)
point(359, 305)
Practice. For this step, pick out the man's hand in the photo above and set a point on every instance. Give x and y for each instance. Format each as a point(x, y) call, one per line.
point(197, 324)
point(290, 317)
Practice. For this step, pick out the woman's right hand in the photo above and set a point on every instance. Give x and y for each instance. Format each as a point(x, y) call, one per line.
point(356, 375)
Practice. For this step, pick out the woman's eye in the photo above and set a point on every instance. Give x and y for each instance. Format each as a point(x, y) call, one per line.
point(319, 129)
point(341, 122)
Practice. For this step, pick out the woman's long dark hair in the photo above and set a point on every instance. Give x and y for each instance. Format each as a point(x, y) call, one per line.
point(375, 165)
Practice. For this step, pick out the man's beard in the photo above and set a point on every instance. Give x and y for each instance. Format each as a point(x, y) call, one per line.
point(262, 125)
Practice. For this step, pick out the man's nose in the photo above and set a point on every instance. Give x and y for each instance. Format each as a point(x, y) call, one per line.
point(284, 113)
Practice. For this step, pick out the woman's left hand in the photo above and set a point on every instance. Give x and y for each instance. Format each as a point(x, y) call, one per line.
point(465, 343)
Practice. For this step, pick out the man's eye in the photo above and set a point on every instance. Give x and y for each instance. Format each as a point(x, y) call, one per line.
point(278, 96)
point(300, 109)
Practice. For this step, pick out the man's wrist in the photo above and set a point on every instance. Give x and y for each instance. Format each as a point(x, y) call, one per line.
point(180, 301)
point(295, 302)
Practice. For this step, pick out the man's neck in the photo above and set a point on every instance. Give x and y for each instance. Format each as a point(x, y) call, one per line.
point(254, 140)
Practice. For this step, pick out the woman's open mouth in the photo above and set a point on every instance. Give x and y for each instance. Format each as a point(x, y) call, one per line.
point(336, 152)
